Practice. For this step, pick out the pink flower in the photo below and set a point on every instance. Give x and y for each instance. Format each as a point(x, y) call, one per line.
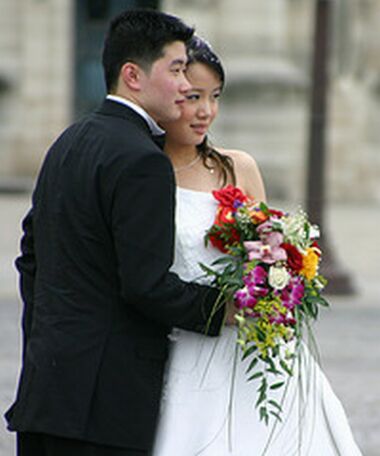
point(268, 249)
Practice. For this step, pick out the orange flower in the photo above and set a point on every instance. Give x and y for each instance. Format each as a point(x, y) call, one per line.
point(310, 264)
point(258, 217)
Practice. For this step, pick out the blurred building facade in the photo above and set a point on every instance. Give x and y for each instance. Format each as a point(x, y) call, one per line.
point(266, 48)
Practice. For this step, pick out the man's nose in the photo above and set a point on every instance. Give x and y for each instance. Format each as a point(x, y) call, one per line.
point(184, 84)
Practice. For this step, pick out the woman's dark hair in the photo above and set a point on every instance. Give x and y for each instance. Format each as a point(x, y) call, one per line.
point(139, 36)
point(199, 51)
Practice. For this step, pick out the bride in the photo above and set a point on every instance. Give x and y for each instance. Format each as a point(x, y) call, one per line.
point(207, 405)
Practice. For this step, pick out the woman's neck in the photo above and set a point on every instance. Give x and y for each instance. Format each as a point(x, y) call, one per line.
point(180, 155)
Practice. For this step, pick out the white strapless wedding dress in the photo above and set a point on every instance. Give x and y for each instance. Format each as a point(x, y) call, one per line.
point(208, 406)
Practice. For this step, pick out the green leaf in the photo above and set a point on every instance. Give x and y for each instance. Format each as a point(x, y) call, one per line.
point(275, 404)
point(318, 300)
point(261, 399)
point(223, 260)
point(270, 361)
point(286, 368)
point(276, 415)
point(260, 334)
point(323, 302)
point(252, 364)
point(264, 414)
point(264, 207)
point(263, 386)
point(256, 375)
point(276, 385)
point(249, 352)
point(208, 270)
point(274, 371)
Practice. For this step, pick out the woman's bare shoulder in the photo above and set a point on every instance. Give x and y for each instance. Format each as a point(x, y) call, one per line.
point(248, 175)
point(240, 158)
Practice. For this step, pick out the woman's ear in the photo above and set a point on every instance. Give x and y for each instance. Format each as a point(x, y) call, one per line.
point(130, 74)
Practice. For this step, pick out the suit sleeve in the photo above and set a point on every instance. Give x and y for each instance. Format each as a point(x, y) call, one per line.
point(26, 265)
point(143, 228)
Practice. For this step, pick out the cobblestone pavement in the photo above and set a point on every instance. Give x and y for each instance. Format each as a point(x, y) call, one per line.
point(348, 333)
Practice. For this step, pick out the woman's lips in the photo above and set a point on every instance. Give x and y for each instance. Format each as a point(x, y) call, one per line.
point(200, 129)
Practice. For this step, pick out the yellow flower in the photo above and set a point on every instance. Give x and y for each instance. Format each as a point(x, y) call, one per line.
point(310, 264)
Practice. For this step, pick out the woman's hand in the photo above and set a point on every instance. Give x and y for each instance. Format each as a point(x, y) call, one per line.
point(230, 314)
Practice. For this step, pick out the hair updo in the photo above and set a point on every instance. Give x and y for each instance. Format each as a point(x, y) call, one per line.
point(199, 51)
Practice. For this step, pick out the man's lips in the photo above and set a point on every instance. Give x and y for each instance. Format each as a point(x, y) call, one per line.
point(180, 101)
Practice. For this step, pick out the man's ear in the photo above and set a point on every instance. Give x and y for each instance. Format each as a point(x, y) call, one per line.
point(130, 74)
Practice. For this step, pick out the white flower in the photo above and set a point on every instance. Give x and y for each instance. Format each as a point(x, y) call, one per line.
point(278, 277)
point(298, 231)
point(294, 224)
point(314, 232)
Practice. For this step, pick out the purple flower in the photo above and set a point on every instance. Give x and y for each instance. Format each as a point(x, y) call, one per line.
point(237, 203)
point(257, 276)
point(255, 288)
point(292, 295)
point(244, 299)
point(283, 319)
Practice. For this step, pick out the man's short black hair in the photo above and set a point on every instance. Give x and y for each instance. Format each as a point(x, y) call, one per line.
point(139, 36)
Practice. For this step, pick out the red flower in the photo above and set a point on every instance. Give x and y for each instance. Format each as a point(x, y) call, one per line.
point(295, 259)
point(228, 195)
point(316, 248)
point(224, 215)
point(276, 212)
point(227, 235)
point(218, 243)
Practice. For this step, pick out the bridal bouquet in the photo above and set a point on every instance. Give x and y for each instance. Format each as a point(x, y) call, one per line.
point(270, 272)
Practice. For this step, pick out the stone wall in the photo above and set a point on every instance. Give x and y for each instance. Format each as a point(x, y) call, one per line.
point(266, 49)
point(36, 56)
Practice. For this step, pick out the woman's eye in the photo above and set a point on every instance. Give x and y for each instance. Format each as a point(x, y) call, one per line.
point(192, 97)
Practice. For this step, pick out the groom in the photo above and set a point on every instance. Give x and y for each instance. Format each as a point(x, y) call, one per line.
point(99, 301)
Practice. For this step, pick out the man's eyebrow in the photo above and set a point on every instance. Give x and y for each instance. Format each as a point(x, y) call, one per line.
point(178, 62)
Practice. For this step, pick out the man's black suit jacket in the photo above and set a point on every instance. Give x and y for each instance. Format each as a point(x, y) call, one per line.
point(98, 298)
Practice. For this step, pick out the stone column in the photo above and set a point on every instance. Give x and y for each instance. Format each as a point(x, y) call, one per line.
point(355, 103)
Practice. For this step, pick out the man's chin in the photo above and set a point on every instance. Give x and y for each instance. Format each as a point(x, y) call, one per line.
point(171, 116)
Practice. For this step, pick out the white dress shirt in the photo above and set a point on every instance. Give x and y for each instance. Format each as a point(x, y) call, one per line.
point(154, 128)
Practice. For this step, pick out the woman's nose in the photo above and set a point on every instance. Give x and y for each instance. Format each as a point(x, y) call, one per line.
point(204, 109)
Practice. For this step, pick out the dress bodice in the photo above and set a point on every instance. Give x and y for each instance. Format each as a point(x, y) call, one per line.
point(195, 213)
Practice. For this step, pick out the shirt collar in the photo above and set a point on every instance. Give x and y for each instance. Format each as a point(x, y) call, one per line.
point(153, 126)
